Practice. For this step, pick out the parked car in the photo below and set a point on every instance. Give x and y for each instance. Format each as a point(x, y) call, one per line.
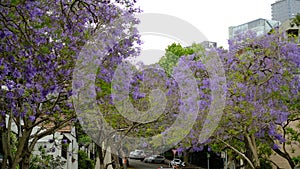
point(147, 159)
point(155, 159)
point(177, 162)
point(137, 154)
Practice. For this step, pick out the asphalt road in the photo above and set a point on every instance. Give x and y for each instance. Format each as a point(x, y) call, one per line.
point(137, 164)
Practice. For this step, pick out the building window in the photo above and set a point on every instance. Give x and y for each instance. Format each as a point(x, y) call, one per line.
point(64, 147)
point(293, 35)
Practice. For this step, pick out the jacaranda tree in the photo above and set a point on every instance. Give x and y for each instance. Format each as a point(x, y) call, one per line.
point(39, 44)
point(262, 98)
point(262, 94)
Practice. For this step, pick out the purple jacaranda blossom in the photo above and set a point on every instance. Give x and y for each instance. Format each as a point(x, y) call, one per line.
point(64, 141)
point(32, 118)
point(9, 95)
point(197, 149)
point(275, 146)
point(2, 112)
point(261, 91)
point(23, 114)
point(2, 124)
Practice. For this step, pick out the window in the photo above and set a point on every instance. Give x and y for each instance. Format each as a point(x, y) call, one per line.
point(64, 147)
point(293, 35)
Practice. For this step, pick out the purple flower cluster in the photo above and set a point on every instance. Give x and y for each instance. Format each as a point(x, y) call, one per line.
point(39, 45)
point(263, 86)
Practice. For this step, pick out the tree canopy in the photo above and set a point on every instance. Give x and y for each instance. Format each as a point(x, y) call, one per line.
point(40, 42)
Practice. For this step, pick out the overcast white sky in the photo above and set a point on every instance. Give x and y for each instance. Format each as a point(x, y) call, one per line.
point(211, 17)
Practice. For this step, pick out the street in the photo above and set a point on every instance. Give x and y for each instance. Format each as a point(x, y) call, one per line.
point(137, 164)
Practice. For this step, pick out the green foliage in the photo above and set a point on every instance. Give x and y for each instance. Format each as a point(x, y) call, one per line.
point(265, 164)
point(82, 137)
point(293, 134)
point(84, 161)
point(296, 20)
point(84, 140)
point(13, 143)
point(296, 160)
point(46, 161)
point(264, 150)
point(174, 52)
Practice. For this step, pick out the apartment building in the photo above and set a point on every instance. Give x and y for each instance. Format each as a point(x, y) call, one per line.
point(283, 10)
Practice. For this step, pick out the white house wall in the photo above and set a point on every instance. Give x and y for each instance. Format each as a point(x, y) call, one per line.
point(72, 155)
point(72, 149)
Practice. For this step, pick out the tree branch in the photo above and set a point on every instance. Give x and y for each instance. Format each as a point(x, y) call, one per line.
point(36, 137)
point(238, 152)
point(108, 164)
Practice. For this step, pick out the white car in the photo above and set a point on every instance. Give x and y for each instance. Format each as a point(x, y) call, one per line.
point(155, 159)
point(177, 162)
point(137, 154)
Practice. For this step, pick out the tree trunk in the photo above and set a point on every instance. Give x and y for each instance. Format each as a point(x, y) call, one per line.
point(251, 150)
point(99, 158)
point(5, 148)
point(239, 153)
point(186, 156)
point(286, 156)
point(25, 163)
point(116, 161)
point(22, 150)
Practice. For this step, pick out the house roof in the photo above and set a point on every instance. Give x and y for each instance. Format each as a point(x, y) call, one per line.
point(65, 129)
